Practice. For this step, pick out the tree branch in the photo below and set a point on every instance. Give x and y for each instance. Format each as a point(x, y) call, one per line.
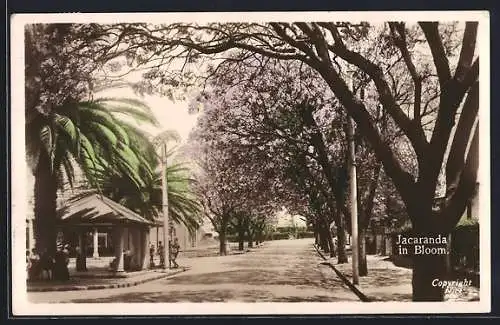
point(431, 32)
point(293, 42)
point(400, 42)
point(402, 179)
point(456, 203)
point(456, 157)
point(414, 133)
point(451, 98)
point(467, 51)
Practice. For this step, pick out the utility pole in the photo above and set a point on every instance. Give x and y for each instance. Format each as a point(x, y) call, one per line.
point(353, 195)
point(164, 195)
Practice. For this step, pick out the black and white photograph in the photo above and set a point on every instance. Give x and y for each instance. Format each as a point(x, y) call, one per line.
point(250, 163)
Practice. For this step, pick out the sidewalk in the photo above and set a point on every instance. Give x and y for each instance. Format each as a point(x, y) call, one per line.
point(96, 279)
point(98, 276)
point(384, 282)
point(388, 282)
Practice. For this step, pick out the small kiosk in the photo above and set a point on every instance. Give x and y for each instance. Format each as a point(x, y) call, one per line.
point(129, 231)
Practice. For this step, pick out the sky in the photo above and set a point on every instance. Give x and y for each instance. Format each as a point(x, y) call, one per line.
point(171, 115)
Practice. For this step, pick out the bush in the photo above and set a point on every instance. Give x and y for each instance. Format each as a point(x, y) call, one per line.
point(279, 236)
point(465, 246)
point(305, 234)
point(232, 238)
point(289, 229)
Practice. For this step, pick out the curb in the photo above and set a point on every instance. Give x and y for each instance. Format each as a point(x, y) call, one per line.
point(351, 286)
point(104, 286)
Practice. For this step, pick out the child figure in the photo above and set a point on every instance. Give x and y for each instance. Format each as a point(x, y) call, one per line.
point(174, 251)
point(161, 253)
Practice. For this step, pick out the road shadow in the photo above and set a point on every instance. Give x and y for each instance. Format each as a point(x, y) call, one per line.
point(198, 296)
point(296, 277)
point(389, 296)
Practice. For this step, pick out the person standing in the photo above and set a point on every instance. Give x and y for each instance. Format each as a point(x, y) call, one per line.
point(151, 255)
point(161, 252)
point(34, 264)
point(174, 251)
point(61, 264)
point(47, 265)
point(28, 265)
point(80, 259)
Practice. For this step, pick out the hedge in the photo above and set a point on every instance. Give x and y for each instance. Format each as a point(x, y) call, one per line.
point(232, 238)
point(276, 236)
point(279, 236)
point(290, 229)
point(305, 234)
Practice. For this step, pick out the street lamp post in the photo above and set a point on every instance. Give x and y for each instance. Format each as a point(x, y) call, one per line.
point(164, 192)
point(353, 196)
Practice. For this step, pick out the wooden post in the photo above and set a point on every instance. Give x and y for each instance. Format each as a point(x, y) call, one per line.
point(353, 197)
point(145, 248)
point(119, 250)
point(96, 243)
point(166, 225)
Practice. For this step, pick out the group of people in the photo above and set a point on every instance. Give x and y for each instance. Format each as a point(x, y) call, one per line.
point(44, 266)
point(174, 248)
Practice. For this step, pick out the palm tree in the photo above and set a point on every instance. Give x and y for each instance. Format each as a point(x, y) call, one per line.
point(147, 200)
point(91, 135)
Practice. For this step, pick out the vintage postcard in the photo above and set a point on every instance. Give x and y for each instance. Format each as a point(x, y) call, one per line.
point(241, 163)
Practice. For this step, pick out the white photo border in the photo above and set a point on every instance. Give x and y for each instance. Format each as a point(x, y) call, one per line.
point(22, 307)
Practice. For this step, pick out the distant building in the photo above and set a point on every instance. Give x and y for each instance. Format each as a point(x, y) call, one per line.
point(286, 220)
point(102, 238)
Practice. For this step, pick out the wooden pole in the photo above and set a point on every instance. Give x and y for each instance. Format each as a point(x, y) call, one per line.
point(166, 255)
point(353, 197)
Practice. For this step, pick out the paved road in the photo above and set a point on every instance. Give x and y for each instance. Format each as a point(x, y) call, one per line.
point(279, 271)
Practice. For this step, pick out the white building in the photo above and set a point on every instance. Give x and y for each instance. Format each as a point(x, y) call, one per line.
point(99, 242)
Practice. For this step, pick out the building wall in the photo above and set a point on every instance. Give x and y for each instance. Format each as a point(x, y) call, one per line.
point(186, 240)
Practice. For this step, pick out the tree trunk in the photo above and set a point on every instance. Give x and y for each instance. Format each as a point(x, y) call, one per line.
point(250, 240)
point(222, 243)
point(383, 243)
point(316, 234)
point(241, 240)
point(331, 245)
point(426, 269)
point(378, 243)
point(363, 267)
point(324, 240)
point(258, 238)
point(45, 196)
point(82, 266)
point(341, 241)
point(328, 233)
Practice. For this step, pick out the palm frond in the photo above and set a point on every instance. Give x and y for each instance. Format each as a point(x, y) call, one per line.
point(133, 113)
point(91, 112)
